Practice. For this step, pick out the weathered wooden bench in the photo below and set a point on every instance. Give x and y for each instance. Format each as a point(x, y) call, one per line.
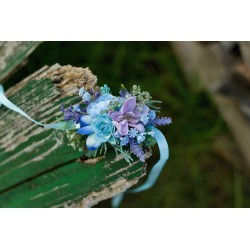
point(37, 167)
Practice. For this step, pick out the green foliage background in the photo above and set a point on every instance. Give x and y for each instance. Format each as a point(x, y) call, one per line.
point(199, 172)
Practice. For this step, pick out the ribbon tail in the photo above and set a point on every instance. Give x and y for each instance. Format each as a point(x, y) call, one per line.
point(7, 103)
point(155, 171)
point(117, 200)
point(158, 167)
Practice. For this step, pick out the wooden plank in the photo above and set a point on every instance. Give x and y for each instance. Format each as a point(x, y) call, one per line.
point(13, 55)
point(75, 185)
point(208, 65)
point(36, 161)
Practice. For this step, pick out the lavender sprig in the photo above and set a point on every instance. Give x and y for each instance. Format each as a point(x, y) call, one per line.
point(94, 93)
point(161, 121)
point(70, 114)
point(123, 92)
point(137, 150)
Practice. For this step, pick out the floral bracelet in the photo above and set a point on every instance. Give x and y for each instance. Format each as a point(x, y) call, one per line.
point(125, 122)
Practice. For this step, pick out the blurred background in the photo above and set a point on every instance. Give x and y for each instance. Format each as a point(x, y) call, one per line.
point(204, 87)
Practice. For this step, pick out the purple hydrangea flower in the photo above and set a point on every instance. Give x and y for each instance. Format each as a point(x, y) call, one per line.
point(144, 119)
point(129, 115)
point(124, 141)
point(132, 133)
point(140, 138)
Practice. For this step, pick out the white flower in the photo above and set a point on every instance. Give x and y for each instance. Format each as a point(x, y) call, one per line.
point(77, 125)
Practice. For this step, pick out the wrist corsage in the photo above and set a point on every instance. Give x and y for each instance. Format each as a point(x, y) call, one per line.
point(125, 122)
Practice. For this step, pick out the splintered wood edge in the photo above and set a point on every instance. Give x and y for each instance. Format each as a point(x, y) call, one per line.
point(94, 198)
point(67, 79)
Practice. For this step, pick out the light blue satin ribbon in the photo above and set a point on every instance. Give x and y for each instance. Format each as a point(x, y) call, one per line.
point(4, 100)
point(155, 171)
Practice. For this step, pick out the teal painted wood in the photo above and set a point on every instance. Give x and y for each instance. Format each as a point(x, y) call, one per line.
point(37, 167)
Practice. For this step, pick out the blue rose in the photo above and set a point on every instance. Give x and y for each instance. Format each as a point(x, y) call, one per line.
point(99, 130)
point(103, 128)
